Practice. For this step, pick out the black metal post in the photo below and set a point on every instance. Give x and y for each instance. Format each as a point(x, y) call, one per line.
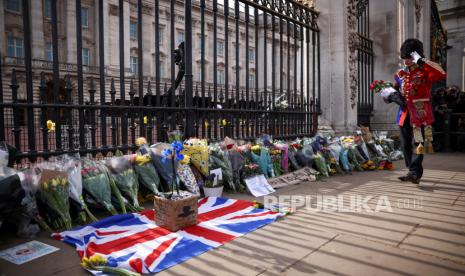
point(189, 130)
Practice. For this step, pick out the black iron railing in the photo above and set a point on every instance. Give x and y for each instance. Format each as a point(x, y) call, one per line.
point(97, 110)
point(365, 63)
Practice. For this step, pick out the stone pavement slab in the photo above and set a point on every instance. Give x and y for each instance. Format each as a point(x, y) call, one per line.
point(425, 237)
point(348, 255)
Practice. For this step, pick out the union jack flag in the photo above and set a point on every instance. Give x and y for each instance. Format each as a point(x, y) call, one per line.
point(135, 242)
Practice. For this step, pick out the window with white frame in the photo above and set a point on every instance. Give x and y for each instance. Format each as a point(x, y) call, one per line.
point(160, 36)
point(133, 29)
point(251, 55)
point(85, 56)
point(180, 37)
point(14, 5)
point(134, 63)
point(220, 48)
point(220, 77)
point(251, 80)
point(162, 70)
point(48, 8)
point(84, 17)
point(15, 47)
point(49, 52)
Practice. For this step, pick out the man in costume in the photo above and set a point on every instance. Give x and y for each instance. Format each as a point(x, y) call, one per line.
point(415, 115)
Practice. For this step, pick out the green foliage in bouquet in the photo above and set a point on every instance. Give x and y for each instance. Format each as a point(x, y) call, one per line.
point(96, 183)
point(54, 193)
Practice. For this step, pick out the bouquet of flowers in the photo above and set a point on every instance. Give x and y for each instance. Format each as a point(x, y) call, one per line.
point(305, 157)
point(72, 165)
point(276, 159)
point(96, 183)
point(173, 153)
point(237, 162)
point(355, 158)
point(219, 159)
point(166, 170)
point(344, 160)
point(284, 155)
point(320, 163)
point(387, 92)
point(262, 159)
point(17, 204)
point(147, 175)
point(198, 151)
point(123, 175)
point(187, 177)
point(175, 135)
point(251, 169)
point(331, 161)
point(53, 193)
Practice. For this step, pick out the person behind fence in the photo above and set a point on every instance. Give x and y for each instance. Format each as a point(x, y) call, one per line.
point(415, 115)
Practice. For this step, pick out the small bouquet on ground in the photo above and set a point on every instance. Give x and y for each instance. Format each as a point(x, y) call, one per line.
point(18, 203)
point(96, 184)
point(145, 170)
point(98, 263)
point(250, 170)
point(198, 151)
point(276, 159)
point(321, 165)
point(387, 92)
point(305, 157)
point(262, 159)
point(123, 175)
point(166, 170)
point(171, 155)
point(284, 155)
point(72, 165)
point(175, 135)
point(187, 177)
point(53, 193)
point(237, 162)
point(219, 159)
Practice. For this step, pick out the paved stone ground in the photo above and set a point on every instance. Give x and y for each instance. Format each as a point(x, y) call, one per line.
point(425, 238)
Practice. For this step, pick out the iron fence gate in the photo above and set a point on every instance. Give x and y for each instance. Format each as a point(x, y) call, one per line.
point(268, 83)
point(365, 63)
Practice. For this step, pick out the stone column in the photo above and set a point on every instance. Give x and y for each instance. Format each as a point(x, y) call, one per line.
point(336, 106)
point(389, 27)
point(2, 30)
point(37, 27)
point(71, 54)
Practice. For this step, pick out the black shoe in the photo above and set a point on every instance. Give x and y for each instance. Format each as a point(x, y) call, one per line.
point(415, 180)
point(405, 178)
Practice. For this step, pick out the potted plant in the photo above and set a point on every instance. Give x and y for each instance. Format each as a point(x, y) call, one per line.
point(212, 186)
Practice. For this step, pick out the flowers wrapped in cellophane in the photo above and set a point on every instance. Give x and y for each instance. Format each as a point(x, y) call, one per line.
point(262, 158)
point(276, 159)
point(125, 178)
point(17, 201)
point(96, 184)
point(146, 172)
point(53, 193)
point(72, 165)
point(197, 149)
point(219, 159)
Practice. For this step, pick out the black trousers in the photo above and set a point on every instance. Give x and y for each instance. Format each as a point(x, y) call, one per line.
point(412, 160)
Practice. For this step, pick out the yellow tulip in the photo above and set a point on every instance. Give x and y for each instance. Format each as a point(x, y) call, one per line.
point(50, 125)
point(146, 120)
point(255, 148)
point(141, 141)
point(206, 124)
point(224, 122)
